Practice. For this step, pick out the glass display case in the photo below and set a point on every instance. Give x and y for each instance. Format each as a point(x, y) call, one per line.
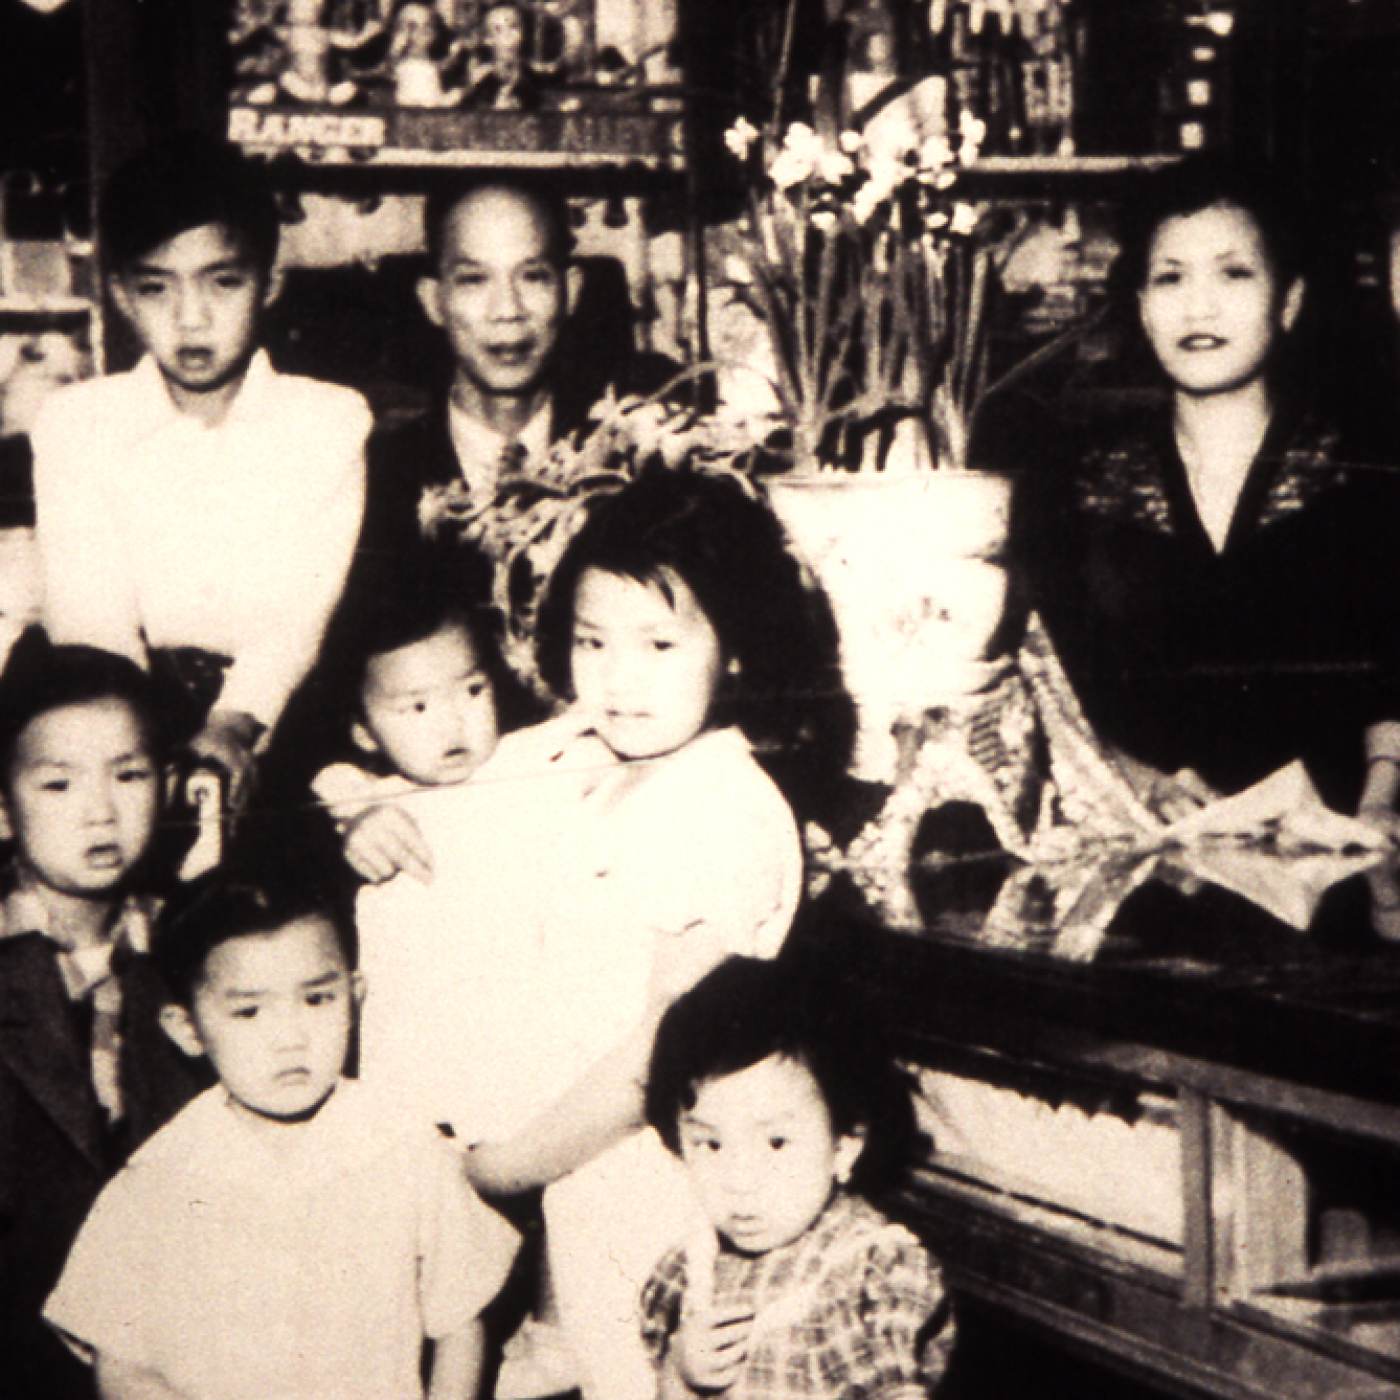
point(1165, 1113)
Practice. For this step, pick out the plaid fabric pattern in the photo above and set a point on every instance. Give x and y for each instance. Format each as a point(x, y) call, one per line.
point(89, 974)
point(873, 1321)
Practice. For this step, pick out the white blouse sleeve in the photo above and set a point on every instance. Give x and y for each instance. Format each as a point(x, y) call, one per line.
point(266, 671)
point(89, 591)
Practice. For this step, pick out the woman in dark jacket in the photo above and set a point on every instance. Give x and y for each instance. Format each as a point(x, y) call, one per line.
point(1222, 578)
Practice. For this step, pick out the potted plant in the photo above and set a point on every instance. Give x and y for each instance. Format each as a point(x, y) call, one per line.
point(524, 528)
point(866, 276)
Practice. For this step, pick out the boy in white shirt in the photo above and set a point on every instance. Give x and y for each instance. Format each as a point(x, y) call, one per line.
point(202, 506)
point(288, 1234)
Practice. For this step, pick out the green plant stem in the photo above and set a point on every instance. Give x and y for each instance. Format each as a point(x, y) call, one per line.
point(780, 81)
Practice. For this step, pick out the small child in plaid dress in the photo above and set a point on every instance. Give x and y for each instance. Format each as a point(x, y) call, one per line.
point(785, 1111)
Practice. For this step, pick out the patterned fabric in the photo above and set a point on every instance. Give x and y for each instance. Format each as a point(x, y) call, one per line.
point(871, 1317)
point(88, 973)
point(1234, 658)
point(484, 455)
point(1128, 479)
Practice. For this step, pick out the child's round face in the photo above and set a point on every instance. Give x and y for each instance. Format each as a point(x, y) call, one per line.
point(1212, 306)
point(83, 795)
point(645, 666)
point(762, 1153)
point(273, 1012)
point(429, 708)
point(505, 31)
point(194, 302)
point(414, 28)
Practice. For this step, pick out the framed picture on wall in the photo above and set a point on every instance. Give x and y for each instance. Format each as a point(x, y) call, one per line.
point(457, 82)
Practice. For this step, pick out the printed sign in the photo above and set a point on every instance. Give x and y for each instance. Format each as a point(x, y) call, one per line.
point(457, 81)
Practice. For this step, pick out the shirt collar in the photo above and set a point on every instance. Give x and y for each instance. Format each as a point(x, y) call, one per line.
point(479, 446)
point(576, 726)
point(153, 408)
point(23, 910)
point(343, 1133)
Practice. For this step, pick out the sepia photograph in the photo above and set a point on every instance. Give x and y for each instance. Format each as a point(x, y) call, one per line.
point(699, 698)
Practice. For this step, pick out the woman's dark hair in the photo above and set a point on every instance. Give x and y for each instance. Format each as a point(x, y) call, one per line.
point(1195, 184)
point(747, 1010)
point(40, 676)
point(729, 550)
point(1198, 183)
point(229, 903)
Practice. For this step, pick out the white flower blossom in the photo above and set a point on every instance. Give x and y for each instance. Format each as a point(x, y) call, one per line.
point(789, 169)
point(825, 221)
point(971, 128)
point(740, 137)
point(935, 153)
point(803, 142)
point(850, 142)
point(801, 154)
point(835, 167)
point(945, 180)
point(964, 220)
point(938, 219)
point(866, 200)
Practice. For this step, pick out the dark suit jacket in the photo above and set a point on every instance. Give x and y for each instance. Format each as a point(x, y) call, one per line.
point(55, 1149)
point(401, 461)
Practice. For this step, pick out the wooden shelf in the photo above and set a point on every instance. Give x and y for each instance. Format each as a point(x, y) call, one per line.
point(595, 137)
point(26, 312)
point(1071, 165)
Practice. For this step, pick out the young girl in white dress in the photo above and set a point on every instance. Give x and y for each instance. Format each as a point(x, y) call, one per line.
point(623, 849)
point(677, 625)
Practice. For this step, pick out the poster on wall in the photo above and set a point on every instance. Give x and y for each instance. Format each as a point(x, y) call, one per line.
point(457, 82)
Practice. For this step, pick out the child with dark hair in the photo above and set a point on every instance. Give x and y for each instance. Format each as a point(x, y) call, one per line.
point(202, 508)
point(425, 686)
point(288, 1233)
point(676, 625)
point(622, 849)
point(728, 551)
point(85, 1074)
point(787, 1112)
point(441, 943)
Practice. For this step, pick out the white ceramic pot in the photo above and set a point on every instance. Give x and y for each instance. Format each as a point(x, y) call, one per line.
point(914, 567)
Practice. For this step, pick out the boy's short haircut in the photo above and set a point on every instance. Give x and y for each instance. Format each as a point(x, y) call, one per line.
point(184, 183)
point(542, 194)
point(40, 676)
point(227, 903)
point(749, 1009)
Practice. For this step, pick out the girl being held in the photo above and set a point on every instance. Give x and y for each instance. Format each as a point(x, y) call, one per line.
point(677, 625)
point(786, 1112)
